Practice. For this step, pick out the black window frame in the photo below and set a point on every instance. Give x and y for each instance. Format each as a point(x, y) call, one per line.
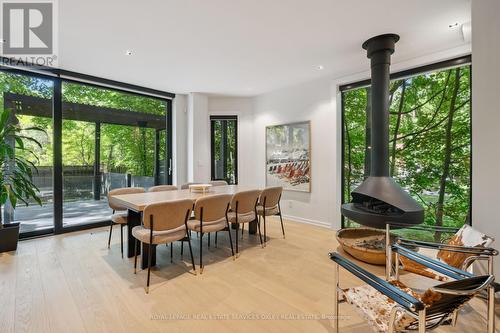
point(437, 66)
point(224, 138)
point(57, 76)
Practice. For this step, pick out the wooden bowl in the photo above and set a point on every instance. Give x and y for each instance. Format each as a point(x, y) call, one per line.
point(352, 240)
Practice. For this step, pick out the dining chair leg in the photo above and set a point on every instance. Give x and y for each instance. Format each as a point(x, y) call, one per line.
point(242, 229)
point(182, 248)
point(230, 240)
point(135, 256)
point(121, 238)
point(282, 227)
point(265, 233)
point(216, 239)
point(172, 252)
point(260, 235)
point(209, 239)
point(236, 234)
point(150, 251)
point(191, 251)
point(201, 253)
point(110, 232)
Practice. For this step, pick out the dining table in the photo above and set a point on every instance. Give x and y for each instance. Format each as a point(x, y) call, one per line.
point(136, 202)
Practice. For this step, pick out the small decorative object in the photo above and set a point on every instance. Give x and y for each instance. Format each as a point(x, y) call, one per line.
point(200, 188)
point(16, 174)
point(288, 156)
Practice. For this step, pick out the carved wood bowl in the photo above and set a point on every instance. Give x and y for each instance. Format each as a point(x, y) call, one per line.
point(365, 244)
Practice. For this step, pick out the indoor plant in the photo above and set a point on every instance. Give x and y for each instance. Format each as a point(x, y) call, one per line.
point(16, 174)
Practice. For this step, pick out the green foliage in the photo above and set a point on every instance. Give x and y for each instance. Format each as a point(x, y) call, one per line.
point(421, 109)
point(16, 171)
point(124, 149)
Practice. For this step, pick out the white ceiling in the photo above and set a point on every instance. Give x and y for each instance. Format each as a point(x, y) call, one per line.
point(244, 47)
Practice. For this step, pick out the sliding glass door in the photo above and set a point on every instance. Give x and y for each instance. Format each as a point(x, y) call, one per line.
point(94, 139)
point(224, 148)
point(29, 100)
point(108, 141)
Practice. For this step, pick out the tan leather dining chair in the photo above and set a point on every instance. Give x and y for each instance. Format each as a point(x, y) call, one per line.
point(163, 223)
point(244, 210)
point(210, 215)
point(269, 205)
point(218, 183)
point(120, 213)
point(161, 188)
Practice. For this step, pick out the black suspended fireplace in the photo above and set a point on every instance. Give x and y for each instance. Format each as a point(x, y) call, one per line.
point(379, 199)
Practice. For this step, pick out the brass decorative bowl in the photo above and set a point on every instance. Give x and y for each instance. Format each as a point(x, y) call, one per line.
point(365, 244)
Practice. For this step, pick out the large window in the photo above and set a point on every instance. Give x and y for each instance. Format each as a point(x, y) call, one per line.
point(37, 91)
point(224, 151)
point(108, 141)
point(430, 141)
point(95, 139)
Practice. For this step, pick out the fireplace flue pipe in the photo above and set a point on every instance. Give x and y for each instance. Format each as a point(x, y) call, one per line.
point(379, 50)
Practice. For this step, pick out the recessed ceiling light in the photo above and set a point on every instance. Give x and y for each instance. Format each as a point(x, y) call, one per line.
point(320, 67)
point(453, 25)
point(128, 52)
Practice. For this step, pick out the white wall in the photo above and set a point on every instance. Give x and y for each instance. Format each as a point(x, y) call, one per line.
point(198, 154)
point(312, 101)
point(486, 118)
point(179, 140)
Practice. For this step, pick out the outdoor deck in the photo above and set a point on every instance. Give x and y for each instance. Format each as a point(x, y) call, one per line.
point(77, 212)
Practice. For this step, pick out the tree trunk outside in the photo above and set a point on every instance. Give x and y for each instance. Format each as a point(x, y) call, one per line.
point(447, 156)
point(368, 131)
point(396, 129)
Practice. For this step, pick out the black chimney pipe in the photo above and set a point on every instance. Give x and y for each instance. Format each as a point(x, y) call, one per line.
point(379, 200)
point(379, 50)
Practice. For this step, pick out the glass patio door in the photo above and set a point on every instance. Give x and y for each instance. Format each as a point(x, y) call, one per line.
point(29, 99)
point(110, 139)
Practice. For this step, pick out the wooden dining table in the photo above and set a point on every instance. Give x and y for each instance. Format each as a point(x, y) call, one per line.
point(136, 202)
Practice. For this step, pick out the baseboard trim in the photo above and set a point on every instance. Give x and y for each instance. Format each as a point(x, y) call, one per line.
point(307, 221)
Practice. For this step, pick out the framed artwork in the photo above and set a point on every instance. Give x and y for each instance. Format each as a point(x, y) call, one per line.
point(288, 156)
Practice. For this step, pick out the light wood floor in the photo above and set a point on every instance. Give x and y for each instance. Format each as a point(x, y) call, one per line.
point(73, 283)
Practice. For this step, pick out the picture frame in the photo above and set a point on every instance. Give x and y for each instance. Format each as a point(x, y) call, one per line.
point(288, 156)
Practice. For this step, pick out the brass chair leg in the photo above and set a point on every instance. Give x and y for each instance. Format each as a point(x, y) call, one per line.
point(110, 232)
point(135, 256)
point(150, 250)
point(121, 238)
point(230, 240)
point(171, 252)
point(260, 235)
point(282, 227)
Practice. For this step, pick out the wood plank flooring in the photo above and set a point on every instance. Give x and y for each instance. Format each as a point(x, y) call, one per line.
point(73, 283)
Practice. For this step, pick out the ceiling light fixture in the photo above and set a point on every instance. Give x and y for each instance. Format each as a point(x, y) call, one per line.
point(320, 67)
point(453, 25)
point(128, 52)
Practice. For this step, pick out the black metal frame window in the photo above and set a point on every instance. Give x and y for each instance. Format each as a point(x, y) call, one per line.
point(424, 111)
point(224, 148)
point(57, 109)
